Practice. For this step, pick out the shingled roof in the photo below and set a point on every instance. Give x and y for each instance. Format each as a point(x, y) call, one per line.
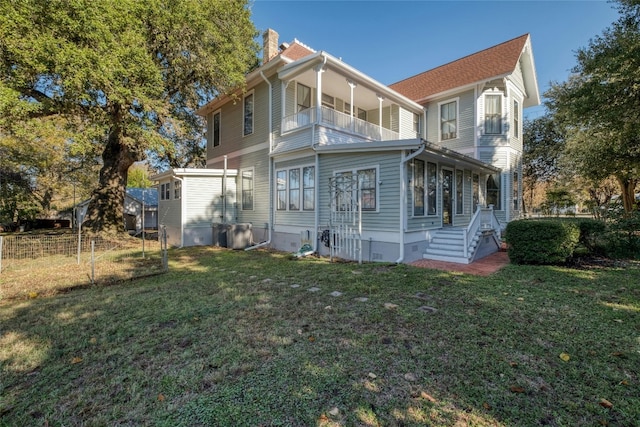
point(481, 66)
point(296, 50)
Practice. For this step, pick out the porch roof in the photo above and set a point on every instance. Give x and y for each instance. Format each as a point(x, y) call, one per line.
point(443, 154)
point(192, 172)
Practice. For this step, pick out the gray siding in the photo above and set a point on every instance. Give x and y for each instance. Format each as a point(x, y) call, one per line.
point(466, 121)
point(388, 215)
point(170, 216)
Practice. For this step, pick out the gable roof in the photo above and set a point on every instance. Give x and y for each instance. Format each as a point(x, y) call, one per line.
point(494, 62)
point(297, 50)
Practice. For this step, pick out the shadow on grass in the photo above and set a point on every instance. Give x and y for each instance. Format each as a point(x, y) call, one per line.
point(238, 338)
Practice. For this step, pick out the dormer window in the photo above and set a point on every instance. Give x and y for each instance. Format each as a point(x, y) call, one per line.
point(493, 114)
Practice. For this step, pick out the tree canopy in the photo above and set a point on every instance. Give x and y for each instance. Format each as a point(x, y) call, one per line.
point(600, 104)
point(124, 76)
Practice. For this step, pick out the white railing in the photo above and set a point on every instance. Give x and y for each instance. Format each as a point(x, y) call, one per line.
point(483, 219)
point(342, 121)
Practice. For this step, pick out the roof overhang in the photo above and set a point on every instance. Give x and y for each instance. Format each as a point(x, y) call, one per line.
point(292, 70)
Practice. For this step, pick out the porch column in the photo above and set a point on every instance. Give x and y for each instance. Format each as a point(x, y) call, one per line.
point(319, 70)
point(380, 99)
point(283, 95)
point(352, 86)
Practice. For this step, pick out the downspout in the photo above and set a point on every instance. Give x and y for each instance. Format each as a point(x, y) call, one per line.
point(403, 196)
point(183, 198)
point(270, 224)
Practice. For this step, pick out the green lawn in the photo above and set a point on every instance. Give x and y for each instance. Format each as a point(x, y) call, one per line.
point(239, 339)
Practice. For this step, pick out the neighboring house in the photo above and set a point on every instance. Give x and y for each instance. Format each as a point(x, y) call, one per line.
point(321, 153)
point(136, 201)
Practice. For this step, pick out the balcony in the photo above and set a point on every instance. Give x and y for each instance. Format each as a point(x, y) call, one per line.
point(340, 121)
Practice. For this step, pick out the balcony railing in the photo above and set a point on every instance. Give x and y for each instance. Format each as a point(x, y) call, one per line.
point(338, 120)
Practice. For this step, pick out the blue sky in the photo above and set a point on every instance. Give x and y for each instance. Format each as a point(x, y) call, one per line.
point(393, 40)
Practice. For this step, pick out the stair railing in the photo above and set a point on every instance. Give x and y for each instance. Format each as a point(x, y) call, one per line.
point(471, 230)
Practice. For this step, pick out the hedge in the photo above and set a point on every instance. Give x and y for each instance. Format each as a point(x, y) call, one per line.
point(541, 241)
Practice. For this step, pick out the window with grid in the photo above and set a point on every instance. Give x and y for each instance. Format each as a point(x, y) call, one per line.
point(308, 188)
point(247, 190)
point(449, 120)
point(367, 179)
point(177, 189)
point(248, 114)
point(281, 190)
point(294, 189)
point(493, 114)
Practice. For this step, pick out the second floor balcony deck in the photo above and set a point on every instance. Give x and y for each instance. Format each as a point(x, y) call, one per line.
point(339, 121)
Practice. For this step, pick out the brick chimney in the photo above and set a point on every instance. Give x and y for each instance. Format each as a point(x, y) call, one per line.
point(269, 45)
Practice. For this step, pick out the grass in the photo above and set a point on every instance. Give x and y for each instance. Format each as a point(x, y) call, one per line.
point(238, 338)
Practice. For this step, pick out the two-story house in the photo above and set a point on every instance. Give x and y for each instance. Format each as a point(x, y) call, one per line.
point(314, 151)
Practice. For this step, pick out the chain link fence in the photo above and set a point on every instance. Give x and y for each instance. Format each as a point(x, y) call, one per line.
point(33, 265)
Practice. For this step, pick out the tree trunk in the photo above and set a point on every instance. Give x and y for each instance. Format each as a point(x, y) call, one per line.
point(105, 212)
point(628, 187)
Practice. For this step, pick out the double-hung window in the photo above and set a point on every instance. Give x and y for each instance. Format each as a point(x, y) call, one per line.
point(248, 114)
point(418, 187)
point(449, 120)
point(308, 188)
point(493, 191)
point(165, 193)
point(281, 190)
point(303, 97)
point(346, 194)
point(247, 189)
point(294, 189)
point(493, 114)
point(432, 188)
point(177, 189)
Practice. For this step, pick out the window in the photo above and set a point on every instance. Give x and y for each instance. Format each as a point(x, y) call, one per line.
point(248, 114)
point(493, 191)
point(177, 189)
point(418, 187)
point(493, 114)
point(294, 185)
point(165, 191)
point(328, 101)
point(303, 97)
point(459, 192)
point(367, 179)
point(308, 188)
point(432, 188)
point(294, 189)
point(476, 191)
point(247, 190)
point(516, 119)
point(362, 114)
point(516, 198)
point(281, 190)
point(346, 192)
point(216, 129)
point(416, 124)
point(449, 120)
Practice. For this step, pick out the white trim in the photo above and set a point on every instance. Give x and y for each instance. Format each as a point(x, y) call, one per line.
point(213, 146)
point(439, 123)
point(287, 188)
point(501, 94)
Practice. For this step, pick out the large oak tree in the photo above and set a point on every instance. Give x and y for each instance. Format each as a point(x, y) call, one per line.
point(125, 74)
point(600, 105)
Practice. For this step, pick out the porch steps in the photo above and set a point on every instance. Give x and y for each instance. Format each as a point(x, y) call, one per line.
point(448, 245)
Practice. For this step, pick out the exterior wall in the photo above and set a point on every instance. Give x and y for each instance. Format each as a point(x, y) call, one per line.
point(170, 215)
point(289, 220)
point(466, 122)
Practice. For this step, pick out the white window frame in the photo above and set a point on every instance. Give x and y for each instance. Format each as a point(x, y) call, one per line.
point(516, 118)
point(251, 94)
point(165, 191)
point(500, 113)
point(461, 193)
point(253, 188)
point(301, 188)
point(414, 176)
point(298, 109)
point(355, 171)
point(440, 104)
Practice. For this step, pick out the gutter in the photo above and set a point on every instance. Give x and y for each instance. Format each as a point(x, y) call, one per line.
point(271, 206)
point(403, 196)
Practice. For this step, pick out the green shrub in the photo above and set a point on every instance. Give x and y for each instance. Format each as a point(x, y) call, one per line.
point(623, 235)
point(541, 241)
point(592, 232)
